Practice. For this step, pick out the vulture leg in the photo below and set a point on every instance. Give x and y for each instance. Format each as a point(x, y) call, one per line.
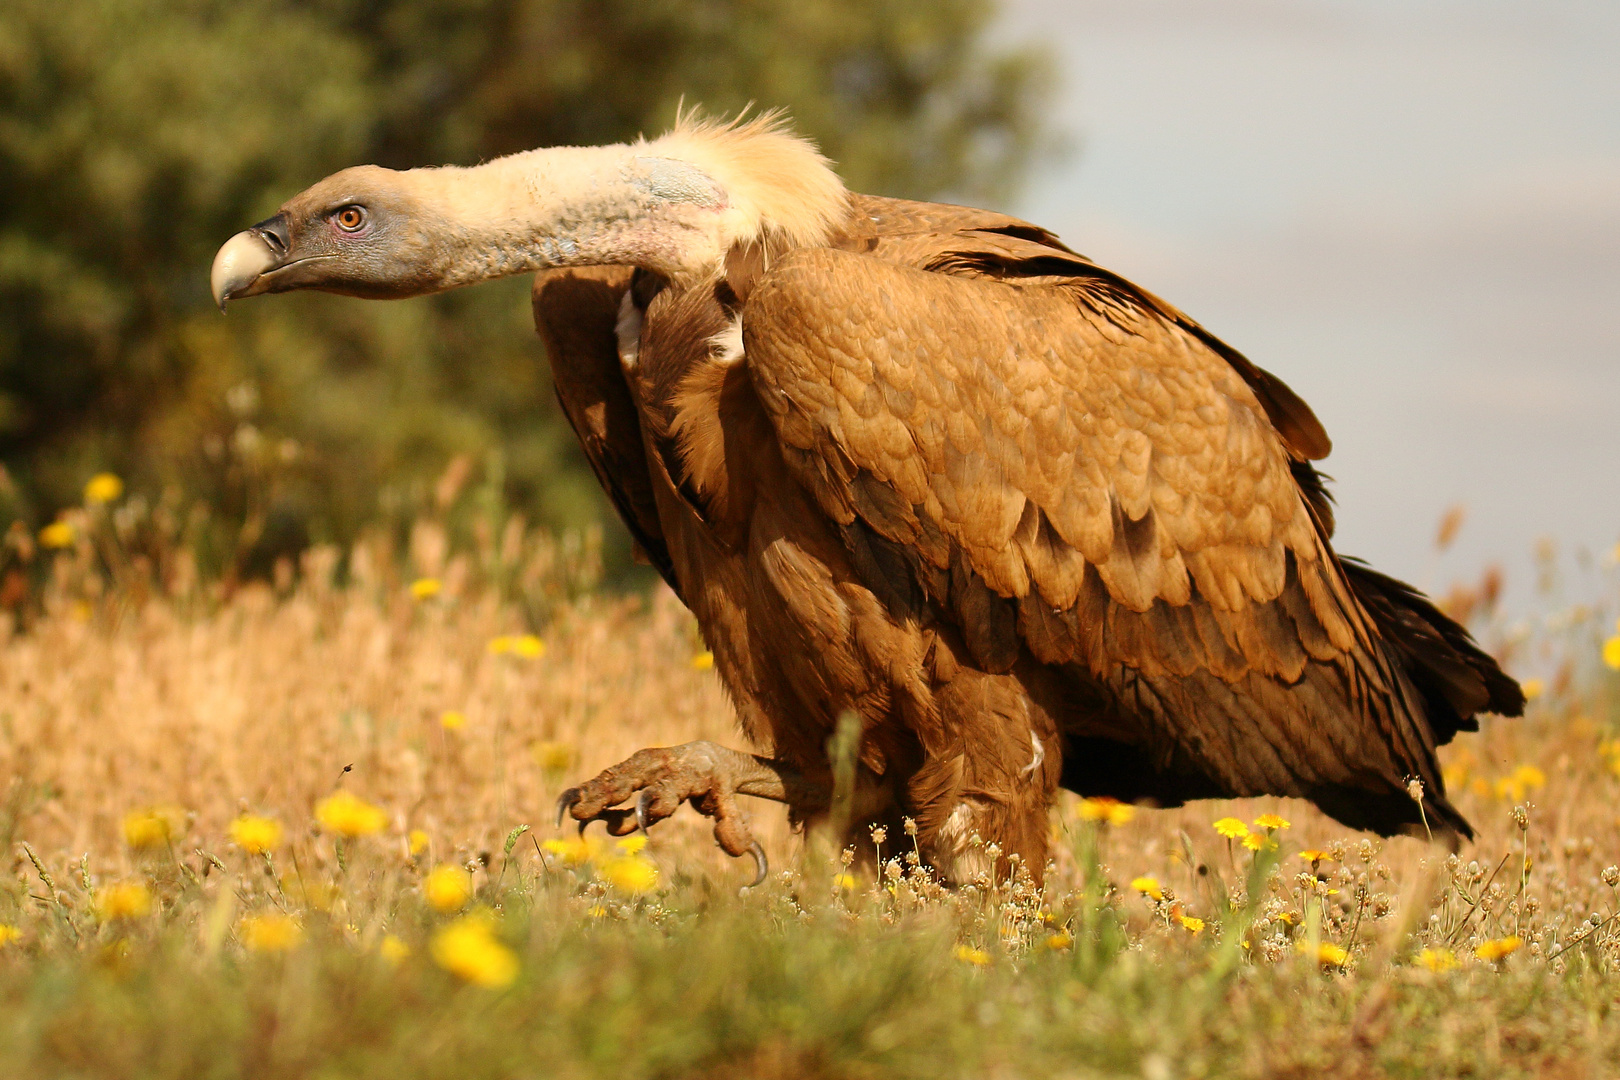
point(705, 774)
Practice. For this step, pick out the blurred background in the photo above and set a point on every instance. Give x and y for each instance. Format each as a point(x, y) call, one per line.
point(1408, 209)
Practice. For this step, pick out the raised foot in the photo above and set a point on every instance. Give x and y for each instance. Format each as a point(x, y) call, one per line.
point(707, 775)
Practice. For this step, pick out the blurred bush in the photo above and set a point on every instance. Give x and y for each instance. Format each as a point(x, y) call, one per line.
point(136, 135)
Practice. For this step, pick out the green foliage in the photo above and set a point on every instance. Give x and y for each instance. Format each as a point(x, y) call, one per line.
point(136, 135)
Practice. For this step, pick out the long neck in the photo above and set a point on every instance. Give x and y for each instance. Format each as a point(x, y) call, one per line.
point(577, 206)
point(676, 205)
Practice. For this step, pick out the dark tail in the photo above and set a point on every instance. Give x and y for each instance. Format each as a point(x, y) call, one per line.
point(1458, 679)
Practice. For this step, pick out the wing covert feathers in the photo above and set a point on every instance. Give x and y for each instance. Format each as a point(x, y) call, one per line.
point(1059, 463)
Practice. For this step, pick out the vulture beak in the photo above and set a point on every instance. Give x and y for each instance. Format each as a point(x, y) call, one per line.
point(242, 262)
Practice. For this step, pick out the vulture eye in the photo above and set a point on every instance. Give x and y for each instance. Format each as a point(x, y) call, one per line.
point(350, 218)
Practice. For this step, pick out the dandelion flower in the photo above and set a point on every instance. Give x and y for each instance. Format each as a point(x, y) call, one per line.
point(1148, 886)
point(1327, 954)
point(1190, 923)
point(1313, 856)
point(1437, 960)
point(1110, 811)
point(416, 842)
point(451, 720)
point(393, 950)
point(1231, 828)
point(500, 646)
point(1533, 688)
point(629, 873)
point(576, 851)
point(347, 815)
point(969, 955)
point(845, 882)
point(529, 647)
point(256, 835)
point(270, 933)
point(103, 488)
point(1498, 948)
point(1271, 822)
point(426, 588)
point(632, 845)
point(151, 828)
point(58, 534)
point(554, 757)
point(703, 661)
point(125, 900)
point(1611, 649)
point(1060, 940)
point(469, 950)
point(8, 934)
point(1256, 842)
point(447, 889)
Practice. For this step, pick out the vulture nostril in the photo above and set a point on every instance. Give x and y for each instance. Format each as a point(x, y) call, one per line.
point(273, 231)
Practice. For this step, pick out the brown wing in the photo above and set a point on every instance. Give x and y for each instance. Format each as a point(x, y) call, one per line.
point(575, 312)
point(1059, 466)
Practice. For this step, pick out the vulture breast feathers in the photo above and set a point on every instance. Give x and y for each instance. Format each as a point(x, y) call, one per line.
point(1012, 441)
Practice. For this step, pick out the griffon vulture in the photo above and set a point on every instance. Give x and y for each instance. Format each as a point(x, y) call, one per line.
point(1032, 524)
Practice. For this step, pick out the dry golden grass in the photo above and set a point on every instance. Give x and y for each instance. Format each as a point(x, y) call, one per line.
point(199, 714)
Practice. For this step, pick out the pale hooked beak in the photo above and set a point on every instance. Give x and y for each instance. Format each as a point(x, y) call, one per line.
point(244, 259)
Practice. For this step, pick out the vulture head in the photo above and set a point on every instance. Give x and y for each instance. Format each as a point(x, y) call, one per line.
point(679, 205)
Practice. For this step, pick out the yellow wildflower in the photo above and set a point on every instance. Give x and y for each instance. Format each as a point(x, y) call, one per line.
point(1533, 688)
point(393, 950)
point(529, 647)
point(1437, 960)
point(426, 588)
point(1288, 918)
point(256, 835)
point(1313, 856)
point(1060, 940)
point(1256, 842)
point(846, 882)
point(416, 842)
point(468, 949)
point(58, 534)
point(447, 889)
point(703, 661)
point(1327, 954)
point(629, 873)
point(125, 900)
point(270, 933)
point(8, 934)
point(969, 955)
point(1271, 823)
point(1231, 828)
point(103, 488)
point(502, 645)
point(1611, 650)
point(451, 720)
point(1190, 923)
point(576, 851)
point(1110, 811)
point(632, 845)
point(1498, 948)
point(554, 757)
point(1148, 886)
point(153, 827)
point(347, 815)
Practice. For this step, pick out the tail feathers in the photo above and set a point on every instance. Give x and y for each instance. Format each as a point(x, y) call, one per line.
point(1457, 679)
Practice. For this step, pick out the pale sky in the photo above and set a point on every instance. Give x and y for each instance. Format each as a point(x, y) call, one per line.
point(1407, 209)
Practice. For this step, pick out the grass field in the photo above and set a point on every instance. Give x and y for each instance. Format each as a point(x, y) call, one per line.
point(187, 898)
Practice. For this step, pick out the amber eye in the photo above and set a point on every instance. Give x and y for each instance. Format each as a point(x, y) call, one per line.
point(350, 218)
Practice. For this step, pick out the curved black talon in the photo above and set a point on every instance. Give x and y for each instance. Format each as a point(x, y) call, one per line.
point(762, 865)
point(565, 803)
point(643, 802)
